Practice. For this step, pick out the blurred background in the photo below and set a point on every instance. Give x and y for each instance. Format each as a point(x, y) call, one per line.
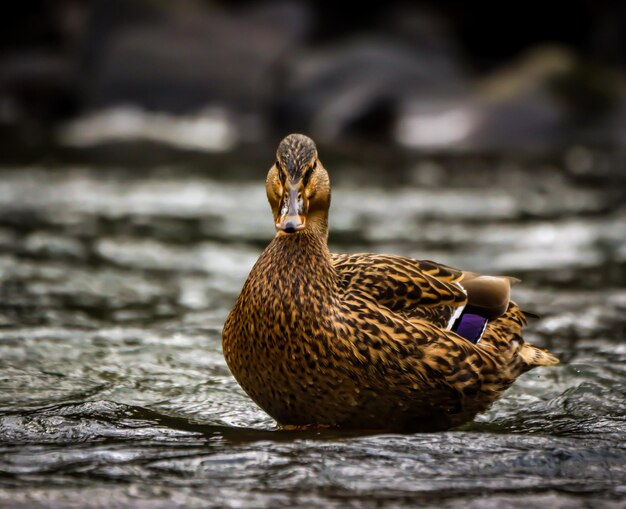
point(135, 136)
point(210, 76)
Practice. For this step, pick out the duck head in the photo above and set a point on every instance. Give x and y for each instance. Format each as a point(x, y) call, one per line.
point(298, 187)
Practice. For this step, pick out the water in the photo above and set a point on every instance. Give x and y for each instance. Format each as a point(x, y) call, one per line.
point(114, 393)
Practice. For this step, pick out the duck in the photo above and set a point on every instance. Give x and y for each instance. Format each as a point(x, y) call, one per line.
point(365, 341)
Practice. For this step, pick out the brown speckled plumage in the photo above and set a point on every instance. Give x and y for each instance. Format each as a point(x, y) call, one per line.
point(360, 341)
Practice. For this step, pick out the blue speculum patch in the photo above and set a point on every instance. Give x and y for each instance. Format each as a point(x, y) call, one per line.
point(470, 325)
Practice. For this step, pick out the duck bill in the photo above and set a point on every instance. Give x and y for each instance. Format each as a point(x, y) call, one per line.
point(291, 224)
point(293, 218)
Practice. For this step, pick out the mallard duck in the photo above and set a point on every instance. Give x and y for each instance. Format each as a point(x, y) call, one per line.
point(366, 341)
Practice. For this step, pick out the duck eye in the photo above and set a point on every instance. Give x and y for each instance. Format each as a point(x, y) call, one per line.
point(281, 174)
point(309, 172)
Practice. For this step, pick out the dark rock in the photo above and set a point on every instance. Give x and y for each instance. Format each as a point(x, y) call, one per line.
point(547, 99)
point(193, 58)
point(358, 84)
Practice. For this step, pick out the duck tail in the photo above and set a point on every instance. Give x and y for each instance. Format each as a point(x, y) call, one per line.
point(506, 331)
point(534, 356)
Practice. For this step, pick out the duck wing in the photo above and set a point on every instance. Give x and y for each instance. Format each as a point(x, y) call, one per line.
point(427, 294)
point(415, 289)
point(426, 290)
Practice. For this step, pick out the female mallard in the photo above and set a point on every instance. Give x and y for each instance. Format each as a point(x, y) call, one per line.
point(365, 341)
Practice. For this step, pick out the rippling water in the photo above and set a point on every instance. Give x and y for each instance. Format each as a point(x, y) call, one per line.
point(115, 284)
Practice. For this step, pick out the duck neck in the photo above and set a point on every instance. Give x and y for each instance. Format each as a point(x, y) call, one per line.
point(302, 263)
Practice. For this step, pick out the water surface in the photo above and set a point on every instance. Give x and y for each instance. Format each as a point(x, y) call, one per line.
point(115, 282)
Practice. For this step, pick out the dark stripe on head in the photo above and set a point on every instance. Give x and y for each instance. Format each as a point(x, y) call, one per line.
point(294, 153)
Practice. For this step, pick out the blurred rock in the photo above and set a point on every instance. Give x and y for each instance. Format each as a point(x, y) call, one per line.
point(209, 130)
point(546, 99)
point(193, 58)
point(354, 87)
